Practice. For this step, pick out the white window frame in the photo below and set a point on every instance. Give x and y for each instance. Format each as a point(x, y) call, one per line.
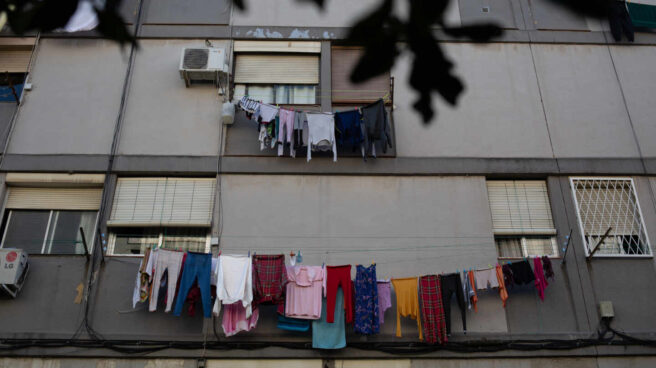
point(90, 243)
point(649, 253)
point(160, 241)
point(522, 240)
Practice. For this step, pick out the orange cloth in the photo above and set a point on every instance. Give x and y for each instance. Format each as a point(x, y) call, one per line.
point(470, 280)
point(407, 302)
point(503, 293)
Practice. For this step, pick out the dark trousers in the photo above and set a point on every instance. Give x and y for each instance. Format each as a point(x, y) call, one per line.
point(451, 284)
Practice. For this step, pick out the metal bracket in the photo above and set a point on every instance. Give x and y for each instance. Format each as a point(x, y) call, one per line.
point(601, 241)
point(569, 239)
point(84, 242)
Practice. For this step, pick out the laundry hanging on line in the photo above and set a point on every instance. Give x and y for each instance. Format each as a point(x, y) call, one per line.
point(323, 295)
point(360, 129)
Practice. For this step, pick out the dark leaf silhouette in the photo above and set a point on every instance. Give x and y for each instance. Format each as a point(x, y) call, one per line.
point(110, 23)
point(318, 2)
point(40, 15)
point(239, 4)
point(591, 8)
point(476, 33)
point(378, 33)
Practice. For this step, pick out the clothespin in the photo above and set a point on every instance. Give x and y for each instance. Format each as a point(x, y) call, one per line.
point(489, 265)
point(249, 253)
point(323, 265)
point(219, 255)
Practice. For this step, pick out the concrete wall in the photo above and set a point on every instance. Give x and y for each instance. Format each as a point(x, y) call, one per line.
point(408, 226)
point(163, 117)
point(6, 113)
point(637, 82)
point(583, 124)
point(74, 101)
point(501, 103)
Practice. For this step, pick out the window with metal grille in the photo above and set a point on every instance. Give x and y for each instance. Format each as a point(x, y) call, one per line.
point(521, 218)
point(609, 206)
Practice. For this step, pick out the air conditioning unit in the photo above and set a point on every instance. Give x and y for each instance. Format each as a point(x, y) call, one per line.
point(202, 64)
point(13, 270)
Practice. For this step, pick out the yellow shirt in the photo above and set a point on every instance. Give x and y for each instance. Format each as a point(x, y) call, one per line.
point(407, 302)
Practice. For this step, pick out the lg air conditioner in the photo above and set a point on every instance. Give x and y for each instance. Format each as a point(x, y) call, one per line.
point(202, 64)
point(13, 270)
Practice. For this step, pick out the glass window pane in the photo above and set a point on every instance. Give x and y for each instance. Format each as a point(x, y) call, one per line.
point(509, 247)
point(134, 240)
point(539, 246)
point(185, 239)
point(26, 230)
point(295, 94)
point(64, 233)
point(240, 91)
point(261, 93)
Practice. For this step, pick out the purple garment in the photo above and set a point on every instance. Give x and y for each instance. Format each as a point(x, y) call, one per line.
point(540, 282)
point(384, 299)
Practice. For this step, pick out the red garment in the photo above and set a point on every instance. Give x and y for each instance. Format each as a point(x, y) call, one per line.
point(192, 297)
point(430, 297)
point(269, 279)
point(540, 282)
point(336, 276)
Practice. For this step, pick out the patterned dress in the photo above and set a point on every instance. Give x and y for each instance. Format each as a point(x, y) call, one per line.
point(367, 321)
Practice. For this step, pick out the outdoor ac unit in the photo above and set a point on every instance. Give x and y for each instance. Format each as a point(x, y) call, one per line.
point(13, 270)
point(202, 64)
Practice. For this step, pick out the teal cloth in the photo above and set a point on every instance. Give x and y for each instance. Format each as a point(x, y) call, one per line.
point(330, 335)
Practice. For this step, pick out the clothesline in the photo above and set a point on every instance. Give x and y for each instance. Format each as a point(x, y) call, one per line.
point(303, 293)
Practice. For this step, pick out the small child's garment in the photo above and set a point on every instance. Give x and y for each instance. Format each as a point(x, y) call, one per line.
point(407, 302)
point(235, 320)
point(384, 298)
point(486, 278)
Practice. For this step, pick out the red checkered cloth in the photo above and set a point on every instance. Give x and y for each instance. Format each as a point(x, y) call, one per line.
point(430, 297)
point(269, 279)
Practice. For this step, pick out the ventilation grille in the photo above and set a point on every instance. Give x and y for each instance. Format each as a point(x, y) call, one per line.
point(196, 58)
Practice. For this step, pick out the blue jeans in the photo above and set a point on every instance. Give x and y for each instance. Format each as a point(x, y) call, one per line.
point(197, 265)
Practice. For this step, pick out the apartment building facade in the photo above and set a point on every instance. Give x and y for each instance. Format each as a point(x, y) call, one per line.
point(550, 151)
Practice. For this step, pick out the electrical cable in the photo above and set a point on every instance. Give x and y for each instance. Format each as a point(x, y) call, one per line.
point(393, 347)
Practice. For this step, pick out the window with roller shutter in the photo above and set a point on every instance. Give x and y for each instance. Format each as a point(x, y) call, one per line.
point(171, 213)
point(521, 218)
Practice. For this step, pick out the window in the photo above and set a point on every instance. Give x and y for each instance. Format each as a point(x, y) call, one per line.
point(521, 218)
point(15, 54)
point(610, 203)
point(171, 213)
point(134, 241)
point(343, 60)
point(44, 212)
point(277, 72)
point(48, 232)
